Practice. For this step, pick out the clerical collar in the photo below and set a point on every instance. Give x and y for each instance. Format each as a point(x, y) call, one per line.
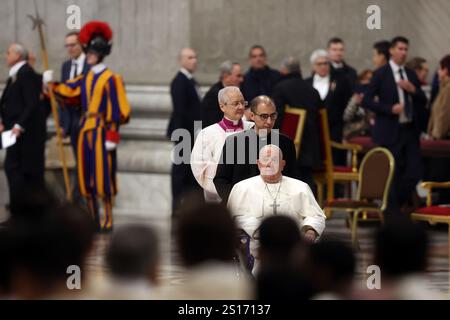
point(186, 73)
point(337, 65)
point(231, 125)
point(262, 133)
point(98, 68)
point(15, 68)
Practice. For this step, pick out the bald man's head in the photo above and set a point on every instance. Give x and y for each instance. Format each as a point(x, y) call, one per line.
point(188, 59)
point(271, 163)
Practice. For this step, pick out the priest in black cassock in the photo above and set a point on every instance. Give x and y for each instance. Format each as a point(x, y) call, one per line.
point(241, 150)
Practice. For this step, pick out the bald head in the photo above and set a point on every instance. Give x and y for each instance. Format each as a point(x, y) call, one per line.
point(188, 59)
point(16, 53)
point(271, 163)
point(270, 151)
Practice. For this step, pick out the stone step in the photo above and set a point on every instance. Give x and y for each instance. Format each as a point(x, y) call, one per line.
point(137, 128)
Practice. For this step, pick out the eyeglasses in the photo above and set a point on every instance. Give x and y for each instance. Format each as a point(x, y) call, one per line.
point(70, 45)
point(321, 64)
point(237, 104)
point(266, 116)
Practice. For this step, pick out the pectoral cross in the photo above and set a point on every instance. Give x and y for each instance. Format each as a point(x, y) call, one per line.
point(274, 206)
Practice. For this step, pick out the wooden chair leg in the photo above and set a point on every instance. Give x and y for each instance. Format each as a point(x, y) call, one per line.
point(328, 213)
point(330, 190)
point(320, 193)
point(355, 241)
point(381, 214)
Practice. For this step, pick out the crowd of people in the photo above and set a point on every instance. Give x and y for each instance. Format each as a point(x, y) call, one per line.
point(48, 241)
point(247, 223)
point(388, 104)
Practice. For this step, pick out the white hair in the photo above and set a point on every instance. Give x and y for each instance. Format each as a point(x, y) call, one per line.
point(21, 51)
point(291, 64)
point(226, 67)
point(223, 93)
point(319, 53)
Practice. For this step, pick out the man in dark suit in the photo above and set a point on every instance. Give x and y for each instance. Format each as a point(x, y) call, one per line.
point(70, 115)
point(230, 75)
point(72, 68)
point(260, 78)
point(336, 51)
point(186, 110)
point(335, 91)
point(22, 112)
point(297, 93)
point(241, 150)
point(398, 107)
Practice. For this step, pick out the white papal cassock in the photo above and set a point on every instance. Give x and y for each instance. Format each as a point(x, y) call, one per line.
point(252, 200)
point(206, 153)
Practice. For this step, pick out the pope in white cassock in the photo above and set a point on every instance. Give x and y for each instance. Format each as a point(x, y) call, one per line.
point(271, 193)
point(208, 145)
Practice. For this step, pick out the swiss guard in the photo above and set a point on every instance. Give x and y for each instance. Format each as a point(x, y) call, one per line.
point(105, 108)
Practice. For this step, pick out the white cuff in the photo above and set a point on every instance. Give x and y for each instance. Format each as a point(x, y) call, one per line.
point(17, 126)
point(110, 146)
point(47, 76)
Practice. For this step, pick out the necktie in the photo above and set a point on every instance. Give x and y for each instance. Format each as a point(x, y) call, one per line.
point(407, 102)
point(75, 69)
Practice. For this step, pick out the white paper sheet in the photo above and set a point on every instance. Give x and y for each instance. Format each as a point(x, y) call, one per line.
point(8, 139)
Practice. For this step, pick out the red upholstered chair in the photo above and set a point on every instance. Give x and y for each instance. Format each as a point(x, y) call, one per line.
point(434, 214)
point(328, 174)
point(293, 125)
point(435, 148)
point(375, 178)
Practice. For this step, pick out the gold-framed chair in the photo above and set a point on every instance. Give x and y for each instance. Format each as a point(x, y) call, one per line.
point(374, 182)
point(328, 174)
point(293, 125)
point(434, 214)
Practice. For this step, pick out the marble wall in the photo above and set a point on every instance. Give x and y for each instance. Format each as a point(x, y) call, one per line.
point(149, 33)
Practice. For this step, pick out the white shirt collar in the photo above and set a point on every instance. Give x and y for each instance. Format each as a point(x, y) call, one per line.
point(98, 68)
point(186, 73)
point(337, 65)
point(80, 60)
point(235, 122)
point(318, 78)
point(15, 68)
point(395, 67)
